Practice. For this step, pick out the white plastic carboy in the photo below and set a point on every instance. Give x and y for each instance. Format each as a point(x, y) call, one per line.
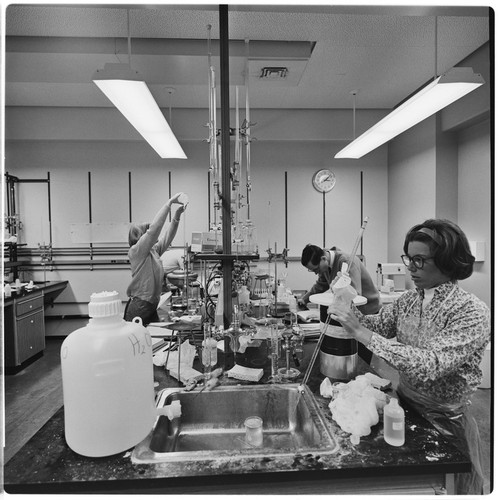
point(108, 381)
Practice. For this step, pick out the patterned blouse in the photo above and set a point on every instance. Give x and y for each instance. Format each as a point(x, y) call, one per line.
point(437, 349)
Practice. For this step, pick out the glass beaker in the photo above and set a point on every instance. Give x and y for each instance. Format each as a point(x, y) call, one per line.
point(254, 431)
point(193, 298)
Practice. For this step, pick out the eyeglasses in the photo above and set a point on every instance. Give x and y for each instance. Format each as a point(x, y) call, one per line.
point(417, 260)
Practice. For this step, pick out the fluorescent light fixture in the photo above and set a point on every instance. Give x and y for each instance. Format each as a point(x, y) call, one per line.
point(124, 88)
point(435, 96)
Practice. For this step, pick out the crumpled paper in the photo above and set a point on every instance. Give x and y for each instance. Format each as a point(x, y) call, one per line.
point(355, 405)
point(187, 355)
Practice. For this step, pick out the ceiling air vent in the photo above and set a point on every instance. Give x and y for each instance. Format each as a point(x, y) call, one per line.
point(274, 73)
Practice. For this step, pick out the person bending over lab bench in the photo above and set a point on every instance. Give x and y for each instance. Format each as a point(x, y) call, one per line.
point(146, 246)
point(440, 332)
point(327, 263)
point(171, 260)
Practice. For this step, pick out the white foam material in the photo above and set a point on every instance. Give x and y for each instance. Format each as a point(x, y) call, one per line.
point(243, 373)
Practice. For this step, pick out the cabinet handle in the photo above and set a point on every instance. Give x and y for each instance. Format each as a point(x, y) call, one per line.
point(32, 321)
point(31, 306)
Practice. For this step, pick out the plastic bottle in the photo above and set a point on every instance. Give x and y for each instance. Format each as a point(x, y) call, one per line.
point(243, 295)
point(107, 380)
point(7, 290)
point(394, 423)
point(210, 352)
point(209, 344)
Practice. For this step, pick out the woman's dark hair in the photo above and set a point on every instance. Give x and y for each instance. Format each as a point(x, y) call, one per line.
point(136, 231)
point(311, 253)
point(448, 245)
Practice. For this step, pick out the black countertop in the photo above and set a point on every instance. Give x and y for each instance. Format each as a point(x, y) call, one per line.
point(50, 289)
point(46, 464)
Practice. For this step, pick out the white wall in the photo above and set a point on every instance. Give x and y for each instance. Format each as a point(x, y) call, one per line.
point(109, 163)
point(444, 175)
point(405, 182)
point(475, 205)
point(411, 183)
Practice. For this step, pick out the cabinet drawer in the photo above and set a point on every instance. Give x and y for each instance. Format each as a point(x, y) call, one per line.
point(29, 305)
point(30, 335)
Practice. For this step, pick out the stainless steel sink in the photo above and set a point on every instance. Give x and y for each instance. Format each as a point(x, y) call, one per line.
point(212, 424)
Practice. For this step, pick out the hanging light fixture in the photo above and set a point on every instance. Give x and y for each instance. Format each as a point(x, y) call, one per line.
point(129, 93)
point(438, 94)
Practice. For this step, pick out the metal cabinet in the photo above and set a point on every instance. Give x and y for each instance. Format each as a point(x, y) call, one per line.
point(24, 329)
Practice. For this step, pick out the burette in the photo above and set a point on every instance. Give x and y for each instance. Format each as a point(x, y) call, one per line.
point(212, 124)
point(248, 131)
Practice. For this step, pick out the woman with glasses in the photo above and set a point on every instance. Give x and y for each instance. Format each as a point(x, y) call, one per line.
point(435, 336)
point(146, 246)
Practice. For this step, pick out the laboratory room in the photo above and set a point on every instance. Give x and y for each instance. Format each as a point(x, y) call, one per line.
point(247, 249)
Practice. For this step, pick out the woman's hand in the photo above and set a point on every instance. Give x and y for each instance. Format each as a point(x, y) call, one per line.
point(344, 314)
point(180, 210)
point(350, 323)
point(174, 199)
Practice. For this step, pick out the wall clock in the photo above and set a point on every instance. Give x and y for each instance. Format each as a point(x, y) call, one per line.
point(324, 181)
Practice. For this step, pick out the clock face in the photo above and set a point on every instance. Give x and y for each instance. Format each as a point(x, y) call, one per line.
point(324, 181)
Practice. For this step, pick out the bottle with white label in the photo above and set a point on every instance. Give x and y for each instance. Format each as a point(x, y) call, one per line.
point(394, 423)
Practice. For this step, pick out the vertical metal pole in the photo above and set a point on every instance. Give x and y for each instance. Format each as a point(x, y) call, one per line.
point(209, 201)
point(90, 212)
point(49, 208)
point(225, 140)
point(285, 210)
point(130, 197)
point(323, 219)
point(170, 191)
point(361, 208)
point(90, 197)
